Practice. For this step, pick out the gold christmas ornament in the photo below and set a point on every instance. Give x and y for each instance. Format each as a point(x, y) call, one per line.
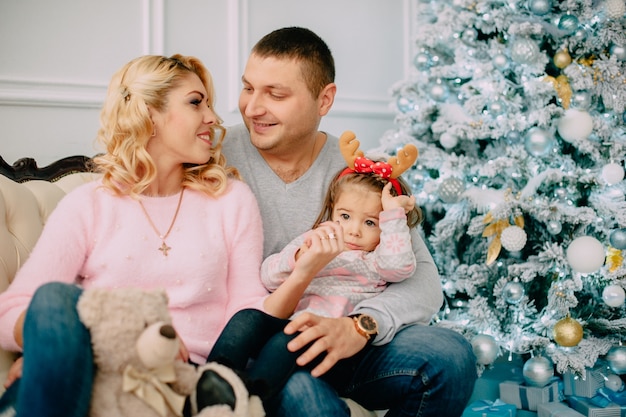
point(568, 332)
point(562, 59)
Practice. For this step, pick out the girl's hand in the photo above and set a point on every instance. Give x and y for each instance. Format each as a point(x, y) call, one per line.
point(390, 202)
point(15, 372)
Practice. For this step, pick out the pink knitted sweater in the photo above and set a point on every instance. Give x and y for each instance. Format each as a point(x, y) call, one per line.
point(95, 239)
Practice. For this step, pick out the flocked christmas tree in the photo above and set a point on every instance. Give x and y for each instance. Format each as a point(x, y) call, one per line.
point(518, 110)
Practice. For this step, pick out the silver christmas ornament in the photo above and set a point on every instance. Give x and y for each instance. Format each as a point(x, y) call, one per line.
point(450, 189)
point(538, 371)
point(617, 239)
point(618, 51)
point(616, 357)
point(485, 349)
point(581, 99)
point(554, 227)
point(513, 292)
point(524, 50)
point(614, 383)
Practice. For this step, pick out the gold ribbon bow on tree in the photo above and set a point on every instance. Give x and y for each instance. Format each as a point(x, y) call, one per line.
point(495, 229)
point(151, 386)
point(614, 259)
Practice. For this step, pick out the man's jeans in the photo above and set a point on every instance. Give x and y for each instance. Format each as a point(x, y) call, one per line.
point(58, 361)
point(424, 371)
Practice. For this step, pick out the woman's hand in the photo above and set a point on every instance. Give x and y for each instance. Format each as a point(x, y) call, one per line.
point(15, 372)
point(337, 337)
point(320, 246)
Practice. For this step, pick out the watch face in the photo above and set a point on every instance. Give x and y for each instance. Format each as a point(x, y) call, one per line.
point(368, 324)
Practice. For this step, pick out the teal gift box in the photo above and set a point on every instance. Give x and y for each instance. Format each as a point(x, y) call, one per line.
point(556, 409)
point(585, 385)
point(585, 407)
point(487, 387)
point(528, 398)
point(486, 408)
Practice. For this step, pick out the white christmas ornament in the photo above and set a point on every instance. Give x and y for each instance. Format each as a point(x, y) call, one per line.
point(613, 173)
point(485, 348)
point(585, 254)
point(613, 295)
point(575, 125)
point(448, 141)
point(615, 9)
point(513, 238)
point(538, 371)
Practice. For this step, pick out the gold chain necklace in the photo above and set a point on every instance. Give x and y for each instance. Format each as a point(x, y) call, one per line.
point(164, 248)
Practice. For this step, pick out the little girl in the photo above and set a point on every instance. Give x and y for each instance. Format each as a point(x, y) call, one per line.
point(366, 218)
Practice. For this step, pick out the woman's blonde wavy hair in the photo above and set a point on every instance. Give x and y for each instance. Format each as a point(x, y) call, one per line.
point(126, 126)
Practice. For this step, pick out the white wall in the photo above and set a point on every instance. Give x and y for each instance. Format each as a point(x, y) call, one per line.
point(56, 58)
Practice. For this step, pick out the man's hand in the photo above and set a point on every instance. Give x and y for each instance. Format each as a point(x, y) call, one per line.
point(335, 336)
point(15, 372)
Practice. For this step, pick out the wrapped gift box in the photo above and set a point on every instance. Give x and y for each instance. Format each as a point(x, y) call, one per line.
point(486, 408)
point(556, 409)
point(528, 398)
point(586, 385)
point(585, 407)
point(487, 387)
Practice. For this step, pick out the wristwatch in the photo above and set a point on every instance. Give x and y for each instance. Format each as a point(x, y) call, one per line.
point(366, 326)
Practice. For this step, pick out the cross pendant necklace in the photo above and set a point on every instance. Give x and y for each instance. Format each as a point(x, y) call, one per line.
point(164, 248)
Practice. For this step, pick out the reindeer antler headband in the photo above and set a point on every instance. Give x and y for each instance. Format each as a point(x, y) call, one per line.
point(392, 169)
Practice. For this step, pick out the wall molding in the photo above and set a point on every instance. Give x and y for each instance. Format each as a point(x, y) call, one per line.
point(54, 93)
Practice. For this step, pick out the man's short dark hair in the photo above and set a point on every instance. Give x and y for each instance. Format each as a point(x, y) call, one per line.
point(303, 45)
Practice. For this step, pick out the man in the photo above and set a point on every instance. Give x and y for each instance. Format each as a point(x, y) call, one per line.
point(405, 365)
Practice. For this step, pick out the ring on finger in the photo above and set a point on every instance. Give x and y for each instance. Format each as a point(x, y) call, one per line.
point(332, 236)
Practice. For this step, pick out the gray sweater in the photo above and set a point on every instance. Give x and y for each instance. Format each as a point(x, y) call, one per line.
point(289, 210)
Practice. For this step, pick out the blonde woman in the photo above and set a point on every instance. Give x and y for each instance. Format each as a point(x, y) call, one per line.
point(167, 213)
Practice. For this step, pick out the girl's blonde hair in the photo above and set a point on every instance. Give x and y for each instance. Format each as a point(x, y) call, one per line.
point(126, 126)
point(370, 181)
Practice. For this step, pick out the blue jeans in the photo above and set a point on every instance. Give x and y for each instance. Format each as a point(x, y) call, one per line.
point(253, 334)
point(424, 371)
point(58, 361)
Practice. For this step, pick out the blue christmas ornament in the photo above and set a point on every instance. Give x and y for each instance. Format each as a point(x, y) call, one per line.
point(405, 104)
point(568, 23)
point(422, 61)
point(538, 142)
point(540, 7)
point(617, 239)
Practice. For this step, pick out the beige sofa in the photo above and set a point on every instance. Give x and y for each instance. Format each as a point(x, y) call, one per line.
point(24, 208)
